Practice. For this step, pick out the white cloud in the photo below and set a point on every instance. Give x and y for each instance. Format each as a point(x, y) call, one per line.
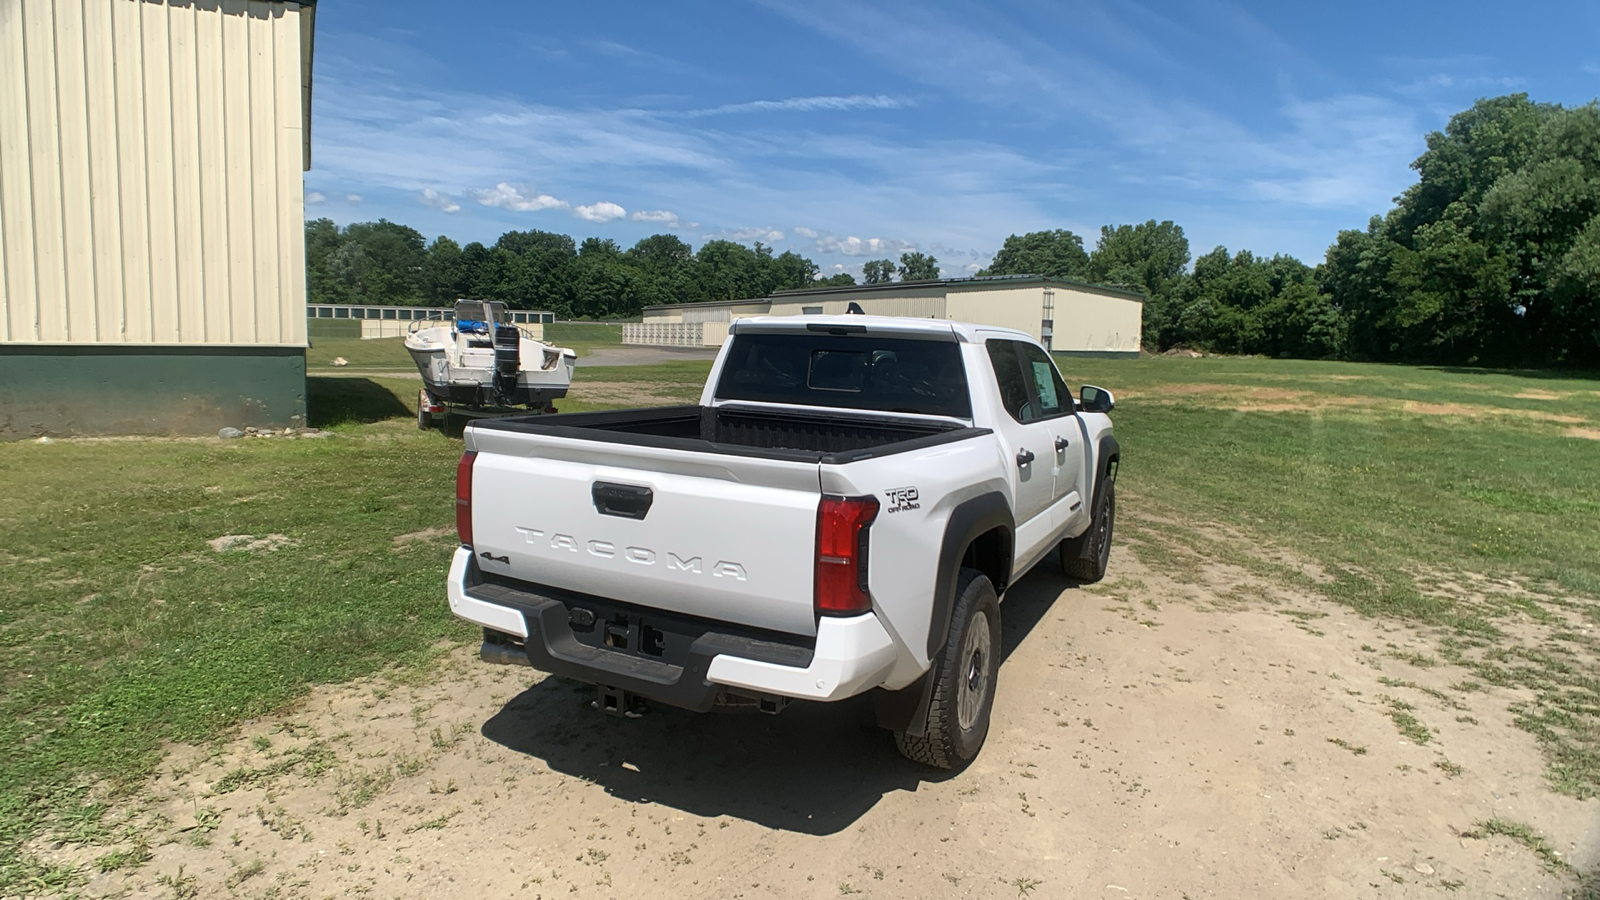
point(664, 217)
point(805, 104)
point(316, 197)
point(855, 246)
point(353, 199)
point(760, 233)
point(804, 231)
point(509, 197)
point(441, 202)
point(604, 211)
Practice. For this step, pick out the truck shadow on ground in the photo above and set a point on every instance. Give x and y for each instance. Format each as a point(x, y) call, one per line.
point(814, 769)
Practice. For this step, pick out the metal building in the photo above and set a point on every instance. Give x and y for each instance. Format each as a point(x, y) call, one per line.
point(1070, 318)
point(152, 236)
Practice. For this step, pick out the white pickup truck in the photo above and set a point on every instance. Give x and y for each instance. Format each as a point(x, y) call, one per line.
point(839, 514)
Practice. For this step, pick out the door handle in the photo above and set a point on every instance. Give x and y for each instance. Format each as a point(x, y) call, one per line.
point(1062, 444)
point(1024, 456)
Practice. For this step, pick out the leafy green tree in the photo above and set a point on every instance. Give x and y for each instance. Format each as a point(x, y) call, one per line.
point(838, 279)
point(1544, 220)
point(1057, 254)
point(391, 259)
point(323, 239)
point(725, 270)
point(877, 271)
point(445, 276)
point(346, 273)
point(918, 267)
point(537, 270)
point(662, 253)
point(1243, 303)
point(1149, 258)
point(1488, 258)
point(793, 271)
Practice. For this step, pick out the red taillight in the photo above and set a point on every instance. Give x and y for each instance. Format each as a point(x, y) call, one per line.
point(464, 496)
point(841, 585)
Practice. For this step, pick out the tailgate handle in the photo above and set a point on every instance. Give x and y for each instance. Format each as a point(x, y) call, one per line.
point(628, 501)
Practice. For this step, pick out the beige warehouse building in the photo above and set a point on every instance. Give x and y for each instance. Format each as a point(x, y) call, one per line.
point(152, 237)
point(1069, 317)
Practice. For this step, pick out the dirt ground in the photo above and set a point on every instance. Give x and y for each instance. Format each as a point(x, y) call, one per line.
point(1151, 740)
point(643, 356)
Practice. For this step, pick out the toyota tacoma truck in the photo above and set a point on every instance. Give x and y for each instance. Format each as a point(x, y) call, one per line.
point(839, 514)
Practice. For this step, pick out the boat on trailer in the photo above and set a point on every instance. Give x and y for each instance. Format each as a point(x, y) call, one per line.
point(479, 363)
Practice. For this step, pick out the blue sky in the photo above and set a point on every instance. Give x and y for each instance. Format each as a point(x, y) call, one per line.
point(849, 131)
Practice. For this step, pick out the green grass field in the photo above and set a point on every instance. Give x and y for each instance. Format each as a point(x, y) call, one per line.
point(1464, 502)
point(584, 336)
point(377, 355)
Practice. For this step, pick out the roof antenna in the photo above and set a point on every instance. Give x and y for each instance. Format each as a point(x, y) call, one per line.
point(854, 309)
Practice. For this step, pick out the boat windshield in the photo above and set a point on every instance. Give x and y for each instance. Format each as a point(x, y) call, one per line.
point(475, 316)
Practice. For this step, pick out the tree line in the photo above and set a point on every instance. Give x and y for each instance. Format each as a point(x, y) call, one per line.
point(1491, 258)
point(385, 263)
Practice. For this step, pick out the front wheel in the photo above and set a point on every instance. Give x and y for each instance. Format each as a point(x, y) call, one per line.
point(1091, 566)
point(965, 673)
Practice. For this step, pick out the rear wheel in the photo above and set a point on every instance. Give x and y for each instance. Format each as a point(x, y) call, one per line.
point(1091, 567)
point(424, 418)
point(965, 673)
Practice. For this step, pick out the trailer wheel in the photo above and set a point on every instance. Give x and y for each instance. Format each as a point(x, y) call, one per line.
point(424, 418)
point(963, 694)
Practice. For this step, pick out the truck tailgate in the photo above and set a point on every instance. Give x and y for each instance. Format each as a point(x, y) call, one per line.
point(726, 537)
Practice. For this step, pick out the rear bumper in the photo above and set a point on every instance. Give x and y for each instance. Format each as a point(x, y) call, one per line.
point(849, 656)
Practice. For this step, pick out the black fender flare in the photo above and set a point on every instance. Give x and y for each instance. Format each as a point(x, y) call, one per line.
point(1106, 461)
point(1105, 464)
point(906, 710)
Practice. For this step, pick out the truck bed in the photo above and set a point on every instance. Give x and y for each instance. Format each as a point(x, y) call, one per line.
point(832, 437)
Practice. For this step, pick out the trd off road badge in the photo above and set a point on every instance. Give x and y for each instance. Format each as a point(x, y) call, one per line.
point(901, 499)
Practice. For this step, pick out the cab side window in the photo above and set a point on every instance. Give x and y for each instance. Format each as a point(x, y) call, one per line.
point(1052, 397)
point(1016, 392)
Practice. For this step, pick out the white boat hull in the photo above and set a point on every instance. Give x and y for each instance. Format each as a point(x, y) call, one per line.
point(455, 373)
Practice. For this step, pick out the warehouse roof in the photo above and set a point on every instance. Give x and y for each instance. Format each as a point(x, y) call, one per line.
point(976, 283)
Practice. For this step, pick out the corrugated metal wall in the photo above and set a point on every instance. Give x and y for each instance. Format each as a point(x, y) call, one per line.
point(1020, 307)
point(1096, 323)
point(150, 172)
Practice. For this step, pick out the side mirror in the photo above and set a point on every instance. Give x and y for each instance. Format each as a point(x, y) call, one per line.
point(1096, 399)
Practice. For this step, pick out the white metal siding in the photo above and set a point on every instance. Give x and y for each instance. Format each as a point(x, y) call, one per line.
point(1096, 323)
point(150, 172)
point(1019, 307)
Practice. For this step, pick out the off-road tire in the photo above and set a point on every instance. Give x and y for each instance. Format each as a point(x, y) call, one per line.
point(1091, 567)
point(947, 744)
point(424, 419)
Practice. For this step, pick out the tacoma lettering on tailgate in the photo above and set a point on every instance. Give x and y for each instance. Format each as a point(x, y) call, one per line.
point(641, 556)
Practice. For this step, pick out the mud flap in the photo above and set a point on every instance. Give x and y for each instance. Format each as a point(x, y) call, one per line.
point(906, 710)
